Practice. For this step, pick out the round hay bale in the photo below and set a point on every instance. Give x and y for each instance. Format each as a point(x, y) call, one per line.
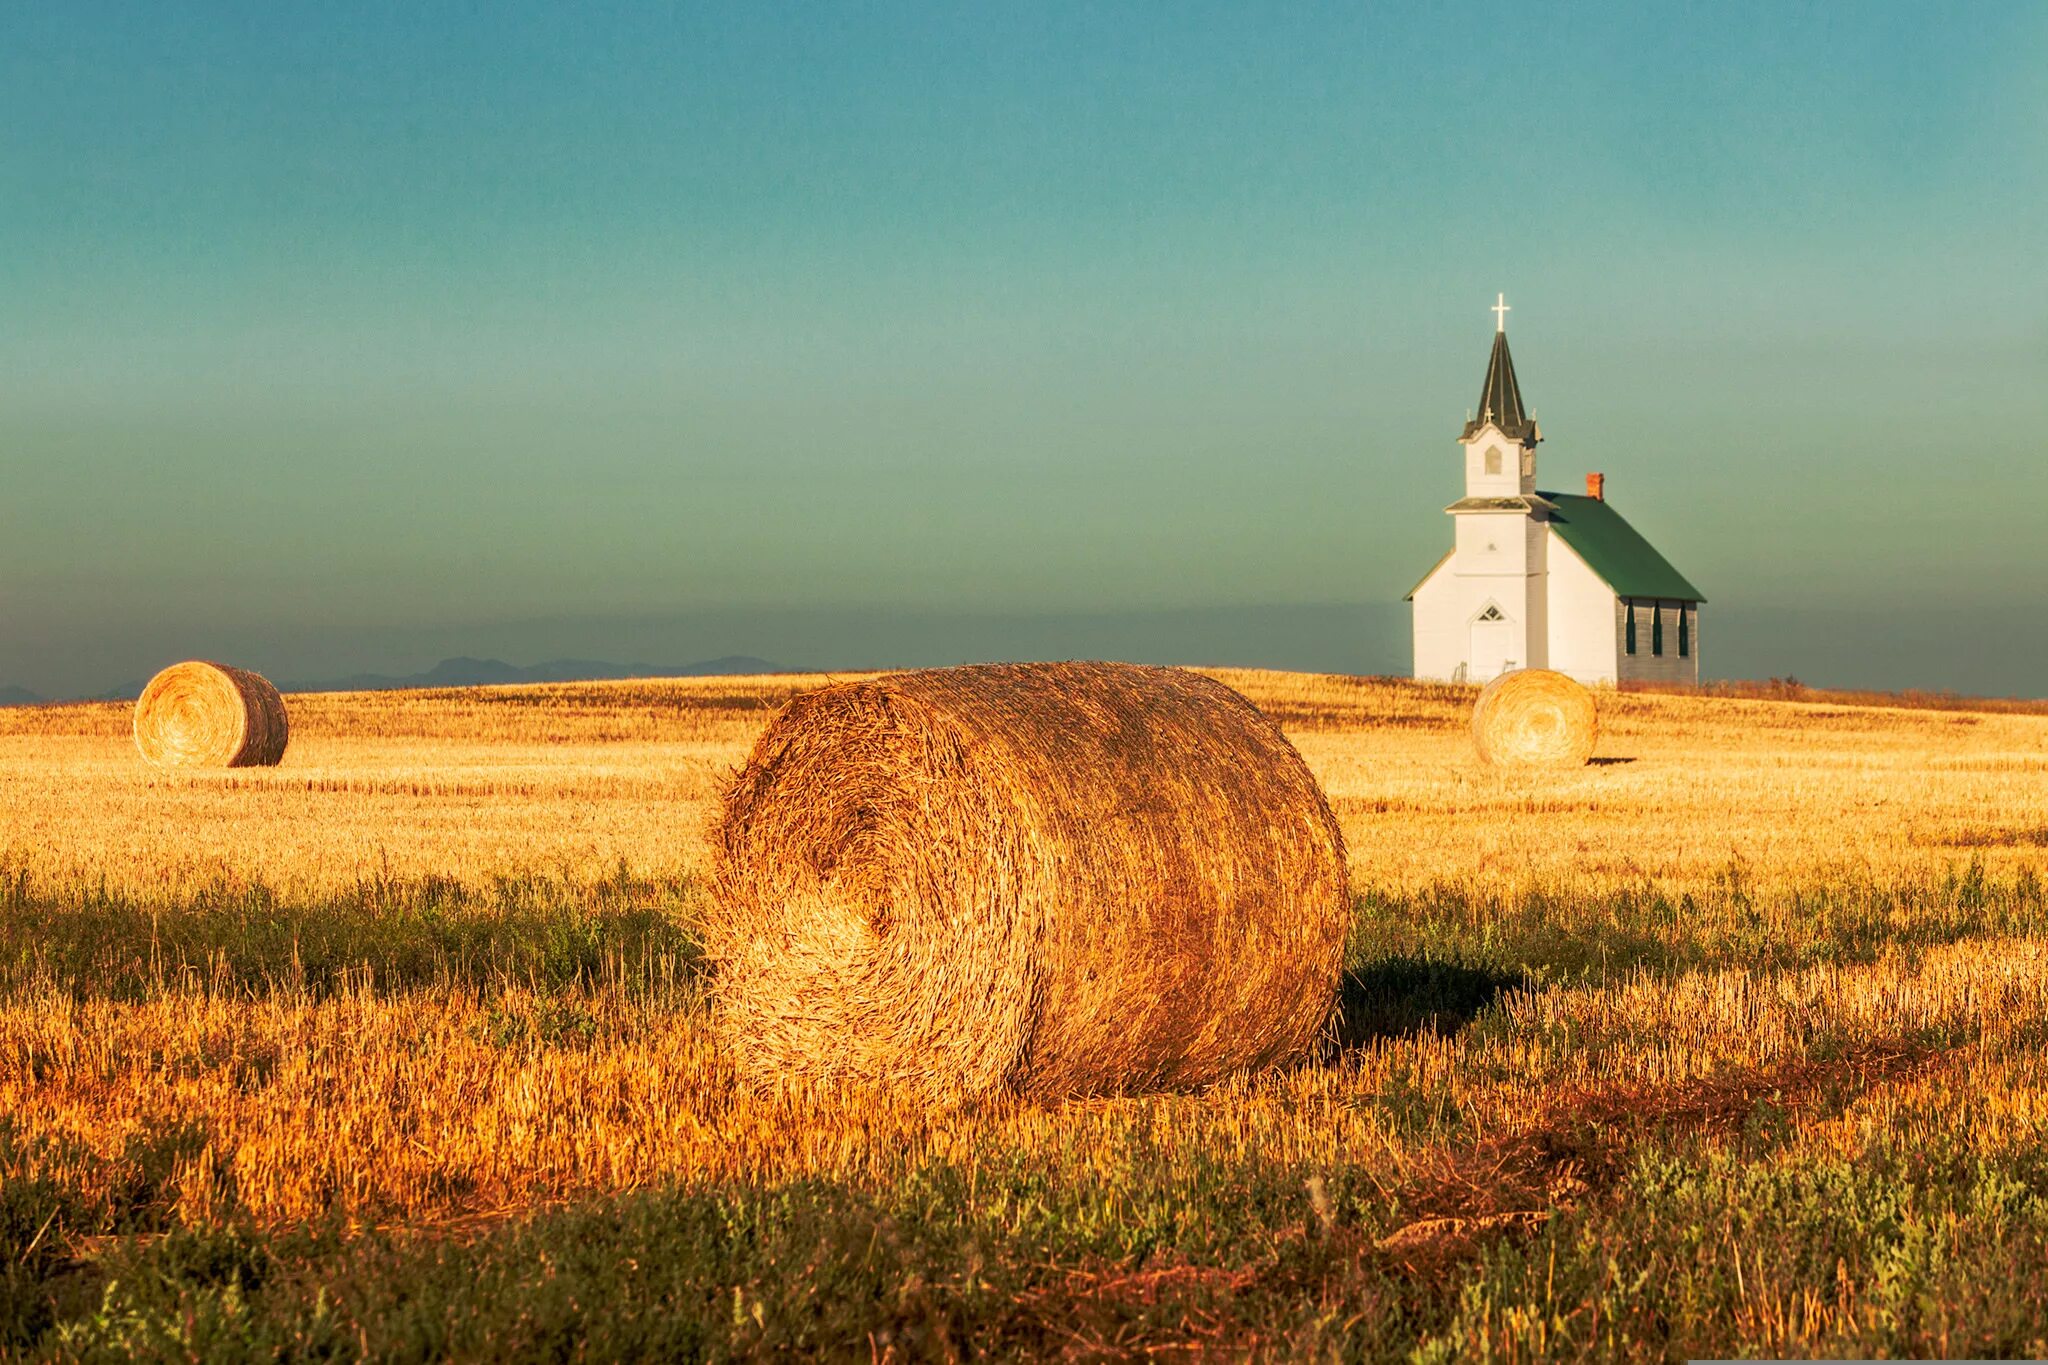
point(202, 715)
point(1048, 879)
point(1535, 718)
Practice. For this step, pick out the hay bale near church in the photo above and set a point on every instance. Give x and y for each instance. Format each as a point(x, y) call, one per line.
point(1535, 718)
point(1044, 879)
point(206, 715)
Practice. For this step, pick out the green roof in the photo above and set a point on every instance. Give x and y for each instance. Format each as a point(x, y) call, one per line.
point(1616, 551)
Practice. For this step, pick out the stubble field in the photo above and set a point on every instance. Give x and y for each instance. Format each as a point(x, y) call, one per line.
point(1735, 1042)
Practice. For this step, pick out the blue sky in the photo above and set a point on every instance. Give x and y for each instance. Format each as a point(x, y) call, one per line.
point(329, 334)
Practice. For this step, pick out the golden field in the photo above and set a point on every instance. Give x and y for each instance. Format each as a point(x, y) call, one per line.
point(1602, 1018)
point(572, 780)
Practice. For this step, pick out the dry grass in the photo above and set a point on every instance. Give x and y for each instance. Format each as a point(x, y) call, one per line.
point(433, 1105)
point(1791, 689)
point(1758, 948)
point(470, 785)
point(1052, 879)
point(571, 780)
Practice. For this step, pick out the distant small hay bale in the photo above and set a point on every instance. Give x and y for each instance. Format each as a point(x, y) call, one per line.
point(1047, 879)
point(202, 715)
point(1535, 718)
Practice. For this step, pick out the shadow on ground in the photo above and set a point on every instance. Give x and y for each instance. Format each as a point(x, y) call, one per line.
point(1398, 997)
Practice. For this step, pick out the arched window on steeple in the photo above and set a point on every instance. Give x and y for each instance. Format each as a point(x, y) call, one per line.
point(1493, 459)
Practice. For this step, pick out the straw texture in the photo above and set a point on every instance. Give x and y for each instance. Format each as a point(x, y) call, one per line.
point(1535, 718)
point(202, 715)
point(1049, 879)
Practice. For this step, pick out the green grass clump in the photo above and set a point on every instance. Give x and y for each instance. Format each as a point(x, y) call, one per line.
point(1550, 934)
point(1692, 1252)
point(534, 932)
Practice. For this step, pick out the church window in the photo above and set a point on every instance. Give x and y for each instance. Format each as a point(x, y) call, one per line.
point(1657, 629)
point(1684, 632)
point(1629, 630)
point(1492, 613)
point(1528, 464)
point(1493, 459)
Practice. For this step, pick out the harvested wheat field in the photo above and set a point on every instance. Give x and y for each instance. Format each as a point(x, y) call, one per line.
point(1731, 1042)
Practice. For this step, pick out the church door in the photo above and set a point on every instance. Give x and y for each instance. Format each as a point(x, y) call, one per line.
point(1492, 638)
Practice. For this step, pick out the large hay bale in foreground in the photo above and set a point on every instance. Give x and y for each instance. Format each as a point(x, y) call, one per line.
point(1535, 718)
point(202, 715)
point(1053, 879)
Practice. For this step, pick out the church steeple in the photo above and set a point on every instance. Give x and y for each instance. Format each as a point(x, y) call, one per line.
point(1500, 399)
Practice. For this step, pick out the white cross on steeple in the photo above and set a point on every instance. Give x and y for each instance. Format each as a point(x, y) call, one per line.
point(1500, 312)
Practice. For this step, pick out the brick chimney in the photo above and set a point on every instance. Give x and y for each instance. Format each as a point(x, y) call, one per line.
point(1596, 487)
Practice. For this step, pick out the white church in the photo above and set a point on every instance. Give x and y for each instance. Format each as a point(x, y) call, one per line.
point(1545, 580)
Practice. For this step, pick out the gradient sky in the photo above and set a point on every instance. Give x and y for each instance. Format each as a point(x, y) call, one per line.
point(346, 336)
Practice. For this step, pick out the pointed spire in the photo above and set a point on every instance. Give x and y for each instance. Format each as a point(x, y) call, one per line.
point(1501, 397)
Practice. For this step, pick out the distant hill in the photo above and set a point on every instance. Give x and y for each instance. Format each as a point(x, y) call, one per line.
point(467, 672)
point(461, 673)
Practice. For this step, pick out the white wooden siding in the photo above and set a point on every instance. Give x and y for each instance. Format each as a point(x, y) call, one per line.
point(1581, 616)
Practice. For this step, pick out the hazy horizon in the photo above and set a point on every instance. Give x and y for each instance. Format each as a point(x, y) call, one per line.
point(348, 340)
point(1826, 648)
